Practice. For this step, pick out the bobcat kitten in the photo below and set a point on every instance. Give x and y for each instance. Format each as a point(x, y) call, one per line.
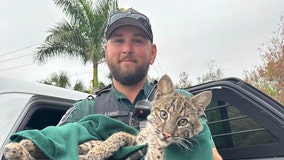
point(174, 118)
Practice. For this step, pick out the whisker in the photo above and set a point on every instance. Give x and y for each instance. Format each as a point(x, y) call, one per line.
point(189, 143)
point(184, 143)
point(196, 141)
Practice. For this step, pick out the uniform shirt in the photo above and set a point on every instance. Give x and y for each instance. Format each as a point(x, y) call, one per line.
point(88, 106)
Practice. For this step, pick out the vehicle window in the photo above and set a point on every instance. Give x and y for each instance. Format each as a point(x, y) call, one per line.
point(232, 128)
point(244, 122)
point(44, 116)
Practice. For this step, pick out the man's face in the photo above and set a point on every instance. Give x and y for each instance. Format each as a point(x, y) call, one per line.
point(129, 53)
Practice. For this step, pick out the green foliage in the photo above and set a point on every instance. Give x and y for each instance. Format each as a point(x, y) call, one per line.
point(79, 86)
point(214, 73)
point(269, 76)
point(184, 81)
point(81, 36)
point(61, 80)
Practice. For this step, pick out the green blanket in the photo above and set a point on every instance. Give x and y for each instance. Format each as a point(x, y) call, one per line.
point(61, 142)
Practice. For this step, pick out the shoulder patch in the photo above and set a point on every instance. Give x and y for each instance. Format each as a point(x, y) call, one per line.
point(66, 115)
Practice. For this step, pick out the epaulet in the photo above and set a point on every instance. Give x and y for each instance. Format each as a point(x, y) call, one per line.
point(105, 89)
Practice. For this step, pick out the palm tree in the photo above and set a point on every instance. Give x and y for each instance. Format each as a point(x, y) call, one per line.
point(63, 80)
point(60, 80)
point(82, 36)
point(79, 86)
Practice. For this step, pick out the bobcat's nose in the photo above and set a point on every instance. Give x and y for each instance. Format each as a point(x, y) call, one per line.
point(166, 135)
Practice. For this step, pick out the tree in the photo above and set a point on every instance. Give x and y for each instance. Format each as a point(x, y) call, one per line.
point(184, 82)
point(214, 73)
point(61, 80)
point(269, 77)
point(79, 86)
point(82, 36)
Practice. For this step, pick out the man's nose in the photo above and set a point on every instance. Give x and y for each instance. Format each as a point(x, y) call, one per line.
point(127, 47)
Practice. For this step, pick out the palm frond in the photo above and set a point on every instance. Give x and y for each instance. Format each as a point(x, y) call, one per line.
point(82, 35)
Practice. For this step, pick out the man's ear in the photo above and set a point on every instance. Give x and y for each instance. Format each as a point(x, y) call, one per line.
point(105, 50)
point(154, 53)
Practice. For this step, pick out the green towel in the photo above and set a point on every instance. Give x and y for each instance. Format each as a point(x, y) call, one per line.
point(61, 142)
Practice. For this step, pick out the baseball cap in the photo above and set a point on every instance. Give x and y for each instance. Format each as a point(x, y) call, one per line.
point(128, 17)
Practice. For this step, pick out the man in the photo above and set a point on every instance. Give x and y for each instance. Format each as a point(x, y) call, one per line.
point(129, 51)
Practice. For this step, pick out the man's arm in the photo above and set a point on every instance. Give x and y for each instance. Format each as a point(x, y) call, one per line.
point(79, 110)
point(216, 155)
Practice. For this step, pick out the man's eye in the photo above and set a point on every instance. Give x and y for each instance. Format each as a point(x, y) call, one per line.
point(138, 41)
point(118, 41)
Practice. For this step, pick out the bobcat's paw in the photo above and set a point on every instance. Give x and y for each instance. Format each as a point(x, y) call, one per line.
point(14, 151)
point(84, 148)
point(82, 157)
point(27, 144)
point(96, 154)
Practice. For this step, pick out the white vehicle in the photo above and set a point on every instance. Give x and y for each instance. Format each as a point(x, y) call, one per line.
point(31, 105)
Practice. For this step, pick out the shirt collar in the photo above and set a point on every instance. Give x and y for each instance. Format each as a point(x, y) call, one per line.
point(143, 93)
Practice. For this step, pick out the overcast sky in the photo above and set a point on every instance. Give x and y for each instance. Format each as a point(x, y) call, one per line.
point(189, 34)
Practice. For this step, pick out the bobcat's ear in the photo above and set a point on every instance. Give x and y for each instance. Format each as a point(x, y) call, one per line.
point(165, 86)
point(202, 100)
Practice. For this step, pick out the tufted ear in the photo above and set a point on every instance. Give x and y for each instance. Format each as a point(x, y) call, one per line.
point(202, 100)
point(165, 86)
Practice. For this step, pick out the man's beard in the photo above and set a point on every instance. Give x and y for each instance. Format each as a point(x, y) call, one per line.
point(129, 77)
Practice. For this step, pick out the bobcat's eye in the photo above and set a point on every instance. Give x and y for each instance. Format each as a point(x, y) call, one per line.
point(163, 114)
point(182, 122)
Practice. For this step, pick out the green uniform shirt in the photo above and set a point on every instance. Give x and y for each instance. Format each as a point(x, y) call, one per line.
point(87, 106)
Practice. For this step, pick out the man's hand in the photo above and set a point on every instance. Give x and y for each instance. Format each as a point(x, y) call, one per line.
point(216, 155)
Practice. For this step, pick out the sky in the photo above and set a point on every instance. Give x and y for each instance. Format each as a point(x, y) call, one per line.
point(189, 35)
